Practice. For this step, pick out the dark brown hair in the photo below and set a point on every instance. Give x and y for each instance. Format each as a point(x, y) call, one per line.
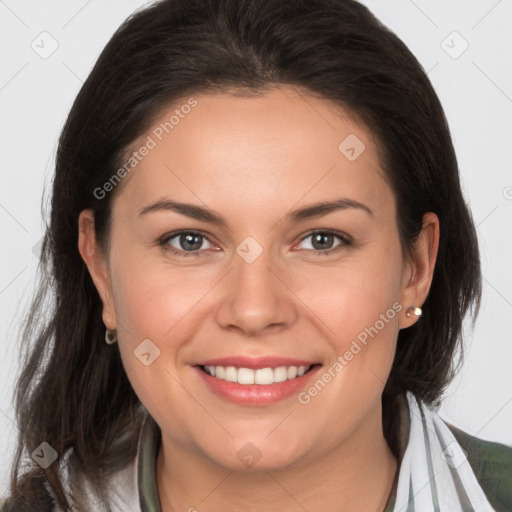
point(73, 391)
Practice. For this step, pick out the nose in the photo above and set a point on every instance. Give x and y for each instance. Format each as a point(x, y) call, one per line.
point(256, 298)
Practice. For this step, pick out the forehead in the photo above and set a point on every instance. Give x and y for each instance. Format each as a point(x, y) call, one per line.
point(279, 147)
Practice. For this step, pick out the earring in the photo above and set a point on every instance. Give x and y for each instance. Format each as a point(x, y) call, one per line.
point(413, 311)
point(110, 336)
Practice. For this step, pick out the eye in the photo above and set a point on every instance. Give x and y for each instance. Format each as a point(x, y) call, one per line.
point(191, 243)
point(323, 241)
point(185, 243)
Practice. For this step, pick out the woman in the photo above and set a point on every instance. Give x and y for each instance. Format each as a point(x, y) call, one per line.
point(204, 351)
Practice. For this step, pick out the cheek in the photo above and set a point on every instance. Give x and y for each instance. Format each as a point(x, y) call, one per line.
point(360, 313)
point(162, 304)
point(156, 315)
point(353, 296)
point(358, 305)
point(153, 299)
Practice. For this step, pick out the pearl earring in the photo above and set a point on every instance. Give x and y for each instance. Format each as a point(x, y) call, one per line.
point(413, 311)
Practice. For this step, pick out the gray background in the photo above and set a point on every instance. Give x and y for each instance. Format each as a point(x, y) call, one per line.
point(475, 87)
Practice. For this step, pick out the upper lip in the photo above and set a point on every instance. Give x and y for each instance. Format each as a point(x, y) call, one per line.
point(256, 362)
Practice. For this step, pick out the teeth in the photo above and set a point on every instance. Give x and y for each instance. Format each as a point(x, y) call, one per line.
point(280, 373)
point(231, 374)
point(292, 372)
point(246, 376)
point(263, 376)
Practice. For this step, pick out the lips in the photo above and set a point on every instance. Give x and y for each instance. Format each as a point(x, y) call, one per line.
point(256, 381)
point(256, 362)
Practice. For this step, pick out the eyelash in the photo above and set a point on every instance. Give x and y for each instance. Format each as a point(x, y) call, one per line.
point(345, 240)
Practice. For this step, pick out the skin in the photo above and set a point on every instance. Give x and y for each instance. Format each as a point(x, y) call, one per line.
point(252, 160)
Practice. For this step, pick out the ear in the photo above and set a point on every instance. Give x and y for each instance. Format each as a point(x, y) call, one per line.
point(97, 265)
point(419, 269)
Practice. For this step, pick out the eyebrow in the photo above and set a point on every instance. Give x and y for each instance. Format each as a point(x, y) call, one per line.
point(206, 215)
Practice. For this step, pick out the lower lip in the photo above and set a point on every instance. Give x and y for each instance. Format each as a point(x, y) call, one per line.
point(256, 394)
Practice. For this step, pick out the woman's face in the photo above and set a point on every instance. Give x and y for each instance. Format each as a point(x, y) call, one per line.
point(244, 288)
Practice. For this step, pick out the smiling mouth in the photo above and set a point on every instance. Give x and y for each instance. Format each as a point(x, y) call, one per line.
point(262, 376)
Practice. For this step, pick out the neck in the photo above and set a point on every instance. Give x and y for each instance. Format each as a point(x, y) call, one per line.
point(355, 475)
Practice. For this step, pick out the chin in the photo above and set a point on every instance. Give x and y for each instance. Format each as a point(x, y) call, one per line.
point(255, 456)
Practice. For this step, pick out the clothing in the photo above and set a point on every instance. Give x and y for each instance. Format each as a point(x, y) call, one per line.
point(134, 488)
point(437, 473)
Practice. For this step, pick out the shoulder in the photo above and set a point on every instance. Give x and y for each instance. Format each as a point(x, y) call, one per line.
point(492, 464)
point(119, 489)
